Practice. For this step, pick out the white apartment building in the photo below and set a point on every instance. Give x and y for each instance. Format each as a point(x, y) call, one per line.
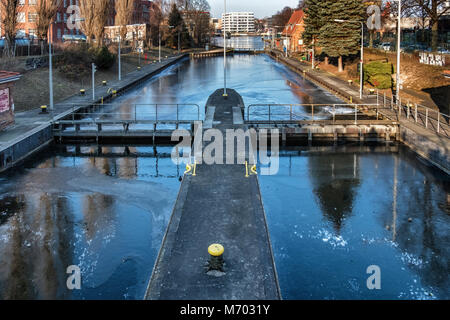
point(238, 22)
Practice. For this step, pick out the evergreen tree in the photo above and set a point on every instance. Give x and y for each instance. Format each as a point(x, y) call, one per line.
point(339, 39)
point(178, 29)
point(312, 20)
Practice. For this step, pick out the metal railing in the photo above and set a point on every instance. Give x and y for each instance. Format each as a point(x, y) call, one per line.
point(430, 119)
point(292, 113)
point(131, 112)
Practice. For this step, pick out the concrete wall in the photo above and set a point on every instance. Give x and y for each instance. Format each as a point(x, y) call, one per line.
point(434, 151)
point(24, 146)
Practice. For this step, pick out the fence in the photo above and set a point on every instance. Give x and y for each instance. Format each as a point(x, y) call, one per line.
point(285, 113)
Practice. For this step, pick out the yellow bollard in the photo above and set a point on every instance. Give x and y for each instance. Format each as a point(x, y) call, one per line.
point(246, 169)
point(216, 257)
point(44, 109)
point(82, 92)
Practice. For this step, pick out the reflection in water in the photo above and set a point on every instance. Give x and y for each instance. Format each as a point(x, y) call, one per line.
point(335, 182)
point(105, 213)
point(332, 212)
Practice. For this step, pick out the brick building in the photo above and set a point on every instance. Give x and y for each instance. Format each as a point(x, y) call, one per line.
point(7, 80)
point(292, 32)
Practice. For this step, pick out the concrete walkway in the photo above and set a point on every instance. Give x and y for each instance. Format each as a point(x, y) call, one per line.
point(218, 205)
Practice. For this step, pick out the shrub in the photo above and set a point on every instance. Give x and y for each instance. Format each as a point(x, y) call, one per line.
point(381, 81)
point(103, 58)
point(378, 74)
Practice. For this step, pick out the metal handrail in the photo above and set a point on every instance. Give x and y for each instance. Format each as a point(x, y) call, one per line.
point(430, 119)
point(74, 108)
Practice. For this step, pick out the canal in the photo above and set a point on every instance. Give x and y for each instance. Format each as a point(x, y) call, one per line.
point(331, 212)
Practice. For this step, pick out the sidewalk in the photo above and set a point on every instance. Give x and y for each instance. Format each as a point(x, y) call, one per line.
point(28, 122)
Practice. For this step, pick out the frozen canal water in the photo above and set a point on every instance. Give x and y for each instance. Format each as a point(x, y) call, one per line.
point(333, 212)
point(105, 214)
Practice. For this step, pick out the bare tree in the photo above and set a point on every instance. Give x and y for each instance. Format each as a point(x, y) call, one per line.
point(8, 20)
point(102, 11)
point(46, 12)
point(196, 13)
point(124, 15)
point(434, 10)
point(87, 8)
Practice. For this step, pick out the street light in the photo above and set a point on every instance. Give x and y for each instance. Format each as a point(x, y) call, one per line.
point(179, 31)
point(399, 32)
point(361, 70)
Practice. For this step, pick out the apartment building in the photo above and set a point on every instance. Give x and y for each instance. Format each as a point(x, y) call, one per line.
point(238, 22)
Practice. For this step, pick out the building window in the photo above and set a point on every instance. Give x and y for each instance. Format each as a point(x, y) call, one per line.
point(21, 17)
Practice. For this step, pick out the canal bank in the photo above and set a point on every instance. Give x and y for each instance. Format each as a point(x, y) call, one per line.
point(32, 130)
point(425, 141)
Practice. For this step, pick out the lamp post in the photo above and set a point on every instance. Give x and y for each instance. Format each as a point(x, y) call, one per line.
point(50, 64)
point(120, 62)
point(179, 34)
point(399, 31)
point(361, 70)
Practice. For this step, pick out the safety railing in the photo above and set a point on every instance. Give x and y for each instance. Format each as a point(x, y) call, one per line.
point(430, 119)
point(285, 113)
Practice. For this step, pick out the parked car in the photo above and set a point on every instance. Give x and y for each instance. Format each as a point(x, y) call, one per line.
point(74, 38)
point(386, 46)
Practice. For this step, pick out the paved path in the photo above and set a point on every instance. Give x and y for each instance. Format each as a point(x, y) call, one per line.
point(218, 205)
point(29, 121)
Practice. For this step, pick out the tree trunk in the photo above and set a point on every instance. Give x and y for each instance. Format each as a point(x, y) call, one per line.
point(371, 39)
point(340, 65)
point(434, 35)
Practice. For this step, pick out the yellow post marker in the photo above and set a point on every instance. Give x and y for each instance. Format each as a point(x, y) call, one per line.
point(82, 92)
point(216, 257)
point(105, 82)
point(195, 169)
point(246, 169)
point(351, 99)
point(44, 109)
point(102, 100)
point(188, 169)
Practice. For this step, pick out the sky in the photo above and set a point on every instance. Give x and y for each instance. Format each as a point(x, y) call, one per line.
point(261, 8)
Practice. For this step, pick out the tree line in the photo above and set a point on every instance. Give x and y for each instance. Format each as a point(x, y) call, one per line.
point(95, 13)
point(339, 39)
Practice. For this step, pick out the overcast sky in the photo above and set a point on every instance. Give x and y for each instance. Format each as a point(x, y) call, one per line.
point(261, 8)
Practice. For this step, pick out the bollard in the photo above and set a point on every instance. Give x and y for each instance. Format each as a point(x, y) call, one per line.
point(44, 109)
point(139, 68)
point(105, 83)
point(350, 82)
point(82, 92)
point(216, 257)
